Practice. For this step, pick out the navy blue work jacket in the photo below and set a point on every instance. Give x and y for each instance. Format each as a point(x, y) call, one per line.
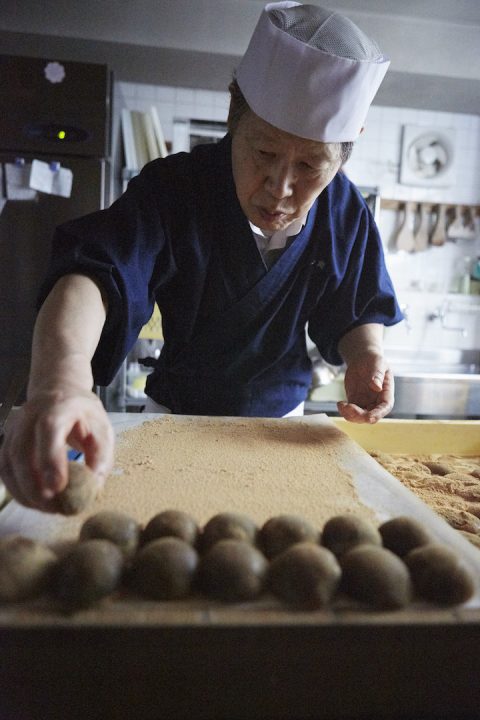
point(234, 331)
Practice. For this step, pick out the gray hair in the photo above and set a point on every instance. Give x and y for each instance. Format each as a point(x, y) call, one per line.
point(239, 106)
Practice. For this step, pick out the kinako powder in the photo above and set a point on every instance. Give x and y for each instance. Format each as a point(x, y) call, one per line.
point(260, 467)
point(449, 484)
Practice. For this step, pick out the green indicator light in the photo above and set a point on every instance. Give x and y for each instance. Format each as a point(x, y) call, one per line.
point(61, 134)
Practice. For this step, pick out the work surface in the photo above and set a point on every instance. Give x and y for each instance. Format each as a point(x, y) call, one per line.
point(202, 659)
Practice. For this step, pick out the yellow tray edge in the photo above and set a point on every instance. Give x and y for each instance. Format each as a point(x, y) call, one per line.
point(457, 437)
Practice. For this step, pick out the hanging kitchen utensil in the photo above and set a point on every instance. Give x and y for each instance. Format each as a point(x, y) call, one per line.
point(404, 239)
point(421, 234)
point(468, 230)
point(455, 228)
point(438, 233)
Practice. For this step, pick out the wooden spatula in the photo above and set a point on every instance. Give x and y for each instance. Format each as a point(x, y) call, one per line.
point(438, 233)
point(421, 234)
point(405, 240)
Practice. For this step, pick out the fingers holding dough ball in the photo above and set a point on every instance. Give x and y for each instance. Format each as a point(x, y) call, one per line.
point(80, 492)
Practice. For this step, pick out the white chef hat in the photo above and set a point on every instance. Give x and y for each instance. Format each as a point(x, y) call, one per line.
point(311, 72)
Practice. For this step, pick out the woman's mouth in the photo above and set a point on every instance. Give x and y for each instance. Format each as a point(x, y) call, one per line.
point(273, 215)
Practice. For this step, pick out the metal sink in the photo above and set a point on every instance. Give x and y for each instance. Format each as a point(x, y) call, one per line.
point(446, 361)
point(440, 382)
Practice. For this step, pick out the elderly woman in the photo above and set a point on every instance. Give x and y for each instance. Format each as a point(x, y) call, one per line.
point(242, 244)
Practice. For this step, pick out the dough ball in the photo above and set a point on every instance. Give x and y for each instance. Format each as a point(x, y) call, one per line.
point(232, 571)
point(437, 468)
point(440, 575)
point(25, 568)
point(402, 534)
point(305, 576)
point(282, 531)
point(164, 569)
point(89, 572)
point(117, 527)
point(377, 576)
point(228, 526)
point(171, 523)
point(80, 492)
point(343, 532)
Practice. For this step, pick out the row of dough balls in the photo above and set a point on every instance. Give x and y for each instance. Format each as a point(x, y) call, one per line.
point(230, 559)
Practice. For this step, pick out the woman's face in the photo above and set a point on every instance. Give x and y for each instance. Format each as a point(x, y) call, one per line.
point(278, 176)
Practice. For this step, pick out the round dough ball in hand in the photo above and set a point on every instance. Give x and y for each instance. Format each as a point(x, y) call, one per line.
point(232, 571)
point(80, 492)
point(26, 568)
point(117, 527)
point(343, 532)
point(305, 576)
point(376, 576)
point(440, 575)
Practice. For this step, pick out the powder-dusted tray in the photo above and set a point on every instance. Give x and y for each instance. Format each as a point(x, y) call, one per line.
point(200, 659)
point(255, 466)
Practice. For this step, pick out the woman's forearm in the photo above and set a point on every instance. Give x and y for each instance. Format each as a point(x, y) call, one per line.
point(66, 334)
point(362, 339)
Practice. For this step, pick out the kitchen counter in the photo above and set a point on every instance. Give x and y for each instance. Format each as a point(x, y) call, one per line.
point(200, 659)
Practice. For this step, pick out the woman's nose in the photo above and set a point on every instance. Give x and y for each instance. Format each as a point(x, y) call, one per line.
point(280, 180)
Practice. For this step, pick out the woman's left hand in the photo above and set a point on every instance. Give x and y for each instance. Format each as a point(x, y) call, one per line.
point(369, 388)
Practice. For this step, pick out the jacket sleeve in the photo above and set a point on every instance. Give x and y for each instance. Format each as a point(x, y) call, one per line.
point(359, 290)
point(126, 249)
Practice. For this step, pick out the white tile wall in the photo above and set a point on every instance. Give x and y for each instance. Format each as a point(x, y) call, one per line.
point(376, 158)
point(171, 103)
point(459, 329)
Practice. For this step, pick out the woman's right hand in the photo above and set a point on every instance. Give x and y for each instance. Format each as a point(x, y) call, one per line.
point(33, 457)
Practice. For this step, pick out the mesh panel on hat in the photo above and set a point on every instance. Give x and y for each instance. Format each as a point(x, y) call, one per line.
point(327, 31)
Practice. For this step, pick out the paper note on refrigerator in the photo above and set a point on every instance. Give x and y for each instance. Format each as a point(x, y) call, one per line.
point(51, 178)
point(17, 185)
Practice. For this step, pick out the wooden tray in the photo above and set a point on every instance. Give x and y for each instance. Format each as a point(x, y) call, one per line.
point(199, 659)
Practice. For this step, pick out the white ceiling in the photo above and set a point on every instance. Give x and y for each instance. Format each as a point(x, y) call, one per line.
point(436, 40)
point(438, 37)
point(451, 11)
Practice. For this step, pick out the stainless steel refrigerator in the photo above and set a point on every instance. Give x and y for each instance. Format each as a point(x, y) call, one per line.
point(55, 112)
